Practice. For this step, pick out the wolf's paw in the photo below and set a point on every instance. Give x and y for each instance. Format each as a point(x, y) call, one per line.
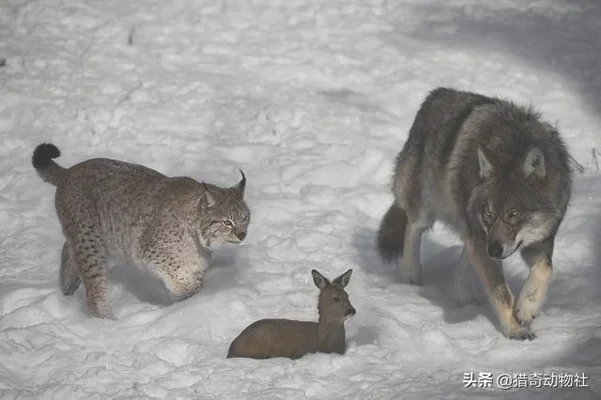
point(525, 318)
point(521, 333)
point(409, 277)
point(409, 272)
point(525, 313)
point(411, 280)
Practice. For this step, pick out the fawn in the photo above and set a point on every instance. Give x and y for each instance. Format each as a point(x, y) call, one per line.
point(268, 338)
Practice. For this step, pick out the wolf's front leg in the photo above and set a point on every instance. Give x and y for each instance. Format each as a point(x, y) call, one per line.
point(490, 273)
point(538, 258)
point(464, 293)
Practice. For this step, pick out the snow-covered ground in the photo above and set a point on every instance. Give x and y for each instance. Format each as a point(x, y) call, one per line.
point(313, 99)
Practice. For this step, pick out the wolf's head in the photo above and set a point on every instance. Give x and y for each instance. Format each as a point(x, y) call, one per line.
point(511, 204)
point(225, 215)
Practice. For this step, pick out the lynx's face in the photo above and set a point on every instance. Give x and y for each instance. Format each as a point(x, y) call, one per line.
point(224, 214)
point(229, 222)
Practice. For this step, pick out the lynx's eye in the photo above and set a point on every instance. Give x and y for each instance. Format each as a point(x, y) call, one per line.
point(227, 223)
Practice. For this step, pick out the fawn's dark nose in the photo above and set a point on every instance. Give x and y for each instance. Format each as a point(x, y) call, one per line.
point(241, 235)
point(495, 250)
point(350, 311)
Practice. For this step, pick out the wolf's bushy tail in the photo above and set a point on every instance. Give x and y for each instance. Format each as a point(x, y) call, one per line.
point(391, 236)
point(44, 164)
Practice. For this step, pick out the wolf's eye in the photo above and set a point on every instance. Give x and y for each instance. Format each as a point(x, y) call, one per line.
point(514, 213)
point(486, 212)
point(227, 223)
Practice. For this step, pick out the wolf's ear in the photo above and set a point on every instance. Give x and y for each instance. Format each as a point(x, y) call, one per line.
point(534, 163)
point(343, 279)
point(320, 280)
point(240, 186)
point(486, 168)
point(207, 199)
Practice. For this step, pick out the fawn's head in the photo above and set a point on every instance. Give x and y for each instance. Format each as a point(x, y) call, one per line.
point(334, 304)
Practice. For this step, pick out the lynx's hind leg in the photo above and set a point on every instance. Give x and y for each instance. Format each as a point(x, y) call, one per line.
point(69, 279)
point(89, 253)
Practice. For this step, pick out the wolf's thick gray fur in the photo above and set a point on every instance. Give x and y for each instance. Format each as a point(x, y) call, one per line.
point(496, 174)
point(113, 211)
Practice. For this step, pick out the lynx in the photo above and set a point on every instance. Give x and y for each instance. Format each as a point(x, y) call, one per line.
point(112, 211)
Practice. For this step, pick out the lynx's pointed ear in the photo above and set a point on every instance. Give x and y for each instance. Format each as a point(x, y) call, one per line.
point(207, 199)
point(486, 168)
point(343, 279)
point(320, 280)
point(534, 163)
point(240, 186)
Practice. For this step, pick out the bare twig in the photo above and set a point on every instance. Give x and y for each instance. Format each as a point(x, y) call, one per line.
point(577, 165)
point(595, 159)
point(131, 36)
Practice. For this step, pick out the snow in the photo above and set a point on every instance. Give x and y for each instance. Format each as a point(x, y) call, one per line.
point(312, 99)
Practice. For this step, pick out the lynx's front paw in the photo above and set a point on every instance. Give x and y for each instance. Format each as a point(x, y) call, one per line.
point(101, 311)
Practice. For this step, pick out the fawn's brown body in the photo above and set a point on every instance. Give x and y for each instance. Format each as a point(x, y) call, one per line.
point(268, 338)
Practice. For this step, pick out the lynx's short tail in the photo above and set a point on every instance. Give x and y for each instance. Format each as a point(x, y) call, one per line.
point(44, 164)
point(391, 235)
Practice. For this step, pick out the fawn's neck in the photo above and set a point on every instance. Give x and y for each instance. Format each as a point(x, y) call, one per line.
point(331, 335)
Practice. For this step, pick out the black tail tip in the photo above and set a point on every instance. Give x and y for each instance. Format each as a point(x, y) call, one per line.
point(43, 154)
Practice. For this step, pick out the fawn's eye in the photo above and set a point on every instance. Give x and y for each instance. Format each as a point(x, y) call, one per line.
point(336, 298)
point(227, 223)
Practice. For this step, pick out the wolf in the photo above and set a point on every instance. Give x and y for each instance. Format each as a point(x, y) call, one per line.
point(114, 211)
point(500, 178)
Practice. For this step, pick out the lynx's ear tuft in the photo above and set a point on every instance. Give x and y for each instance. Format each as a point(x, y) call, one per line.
point(240, 186)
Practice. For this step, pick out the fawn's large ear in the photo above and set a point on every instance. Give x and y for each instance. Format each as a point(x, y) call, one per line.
point(486, 168)
point(240, 186)
point(320, 280)
point(534, 163)
point(343, 279)
point(207, 199)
